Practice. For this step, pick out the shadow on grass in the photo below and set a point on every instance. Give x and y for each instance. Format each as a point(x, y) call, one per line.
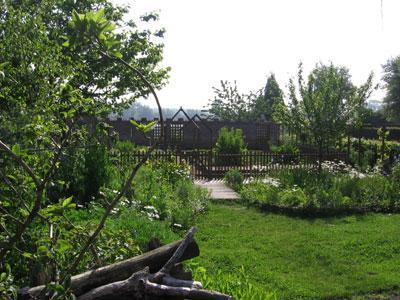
point(313, 213)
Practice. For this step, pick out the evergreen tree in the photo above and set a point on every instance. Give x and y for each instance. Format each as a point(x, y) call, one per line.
point(392, 84)
point(273, 96)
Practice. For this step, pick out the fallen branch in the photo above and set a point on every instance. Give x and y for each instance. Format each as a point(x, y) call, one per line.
point(132, 279)
point(154, 260)
point(142, 284)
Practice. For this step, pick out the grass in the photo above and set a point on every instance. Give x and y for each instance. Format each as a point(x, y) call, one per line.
point(140, 227)
point(298, 258)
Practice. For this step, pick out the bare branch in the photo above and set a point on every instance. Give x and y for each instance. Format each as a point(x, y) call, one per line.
point(163, 291)
point(176, 256)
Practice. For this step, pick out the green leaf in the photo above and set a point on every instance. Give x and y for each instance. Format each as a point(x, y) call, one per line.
point(3, 277)
point(42, 250)
point(27, 255)
point(144, 127)
point(99, 15)
point(63, 245)
point(16, 149)
point(117, 54)
point(67, 201)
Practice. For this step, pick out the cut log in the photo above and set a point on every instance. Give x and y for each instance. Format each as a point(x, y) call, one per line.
point(120, 271)
point(138, 287)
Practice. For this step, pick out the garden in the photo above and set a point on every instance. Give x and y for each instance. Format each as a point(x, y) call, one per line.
point(87, 214)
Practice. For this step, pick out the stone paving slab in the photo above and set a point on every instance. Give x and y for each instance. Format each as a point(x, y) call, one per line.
point(217, 189)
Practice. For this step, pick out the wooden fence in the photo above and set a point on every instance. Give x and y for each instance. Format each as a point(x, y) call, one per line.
point(207, 164)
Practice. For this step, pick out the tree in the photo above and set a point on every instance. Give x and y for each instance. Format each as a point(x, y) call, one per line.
point(273, 96)
point(229, 105)
point(391, 78)
point(42, 106)
point(325, 104)
point(100, 79)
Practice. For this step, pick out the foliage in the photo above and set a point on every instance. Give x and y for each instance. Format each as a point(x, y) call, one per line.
point(51, 82)
point(238, 285)
point(144, 127)
point(391, 78)
point(324, 105)
point(289, 151)
point(346, 256)
point(96, 172)
point(259, 193)
point(127, 224)
point(104, 81)
point(166, 190)
point(395, 174)
point(7, 288)
point(125, 146)
point(234, 178)
point(229, 141)
point(229, 105)
point(327, 192)
point(367, 154)
point(273, 97)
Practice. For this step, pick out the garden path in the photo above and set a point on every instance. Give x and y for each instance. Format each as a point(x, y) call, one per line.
point(218, 189)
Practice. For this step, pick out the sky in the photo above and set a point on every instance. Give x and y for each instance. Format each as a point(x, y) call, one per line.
point(245, 40)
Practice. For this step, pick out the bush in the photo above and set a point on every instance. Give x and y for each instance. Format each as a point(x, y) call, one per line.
point(373, 193)
point(190, 202)
point(309, 192)
point(260, 194)
point(234, 178)
point(82, 172)
point(395, 175)
point(290, 152)
point(97, 171)
point(125, 146)
point(294, 198)
point(165, 190)
point(229, 141)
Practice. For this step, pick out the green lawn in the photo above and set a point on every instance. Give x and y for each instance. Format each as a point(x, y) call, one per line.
point(303, 258)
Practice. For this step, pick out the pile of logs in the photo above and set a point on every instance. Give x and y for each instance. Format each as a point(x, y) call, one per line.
point(157, 274)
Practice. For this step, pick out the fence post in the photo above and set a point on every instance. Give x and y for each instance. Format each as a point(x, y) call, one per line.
point(383, 142)
point(209, 164)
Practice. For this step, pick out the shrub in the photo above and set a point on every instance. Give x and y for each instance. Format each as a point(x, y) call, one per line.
point(96, 172)
point(124, 146)
point(294, 197)
point(310, 192)
point(229, 141)
point(373, 193)
point(259, 194)
point(82, 172)
point(189, 202)
point(234, 178)
point(165, 188)
point(289, 152)
point(395, 175)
